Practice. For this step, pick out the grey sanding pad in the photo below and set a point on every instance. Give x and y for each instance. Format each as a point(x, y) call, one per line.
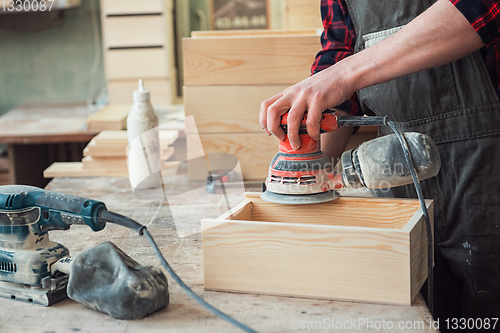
point(293, 199)
point(104, 278)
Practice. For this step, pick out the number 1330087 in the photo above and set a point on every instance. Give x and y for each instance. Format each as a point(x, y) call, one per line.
point(26, 5)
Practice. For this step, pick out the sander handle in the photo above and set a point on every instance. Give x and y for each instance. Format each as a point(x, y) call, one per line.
point(57, 210)
point(361, 121)
point(332, 120)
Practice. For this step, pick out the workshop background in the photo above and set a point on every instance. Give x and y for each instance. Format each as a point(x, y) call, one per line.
point(68, 76)
point(91, 52)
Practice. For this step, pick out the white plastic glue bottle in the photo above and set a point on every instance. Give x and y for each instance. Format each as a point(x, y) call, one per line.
point(143, 154)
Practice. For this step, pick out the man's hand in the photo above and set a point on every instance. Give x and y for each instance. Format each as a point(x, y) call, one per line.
point(438, 36)
point(315, 94)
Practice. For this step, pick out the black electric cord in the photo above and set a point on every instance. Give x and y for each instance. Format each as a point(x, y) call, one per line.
point(143, 231)
point(420, 195)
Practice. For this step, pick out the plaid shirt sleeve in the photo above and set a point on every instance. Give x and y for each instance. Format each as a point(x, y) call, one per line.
point(484, 16)
point(337, 40)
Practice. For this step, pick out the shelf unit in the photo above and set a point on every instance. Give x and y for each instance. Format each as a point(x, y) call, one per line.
point(138, 42)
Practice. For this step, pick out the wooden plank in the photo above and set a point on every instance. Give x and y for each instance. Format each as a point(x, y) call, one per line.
point(306, 259)
point(259, 32)
point(167, 137)
point(248, 60)
point(111, 117)
point(133, 31)
point(104, 151)
point(93, 149)
point(75, 169)
point(227, 108)
point(119, 163)
point(116, 163)
point(136, 63)
point(120, 90)
point(117, 7)
point(253, 150)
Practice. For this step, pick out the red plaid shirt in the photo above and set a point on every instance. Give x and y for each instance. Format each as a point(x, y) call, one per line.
point(339, 37)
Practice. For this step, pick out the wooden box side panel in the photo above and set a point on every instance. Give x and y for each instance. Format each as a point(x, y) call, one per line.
point(248, 60)
point(219, 109)
point(387, 213)
point(419, 249)
point(253, 150)
point(360, 264)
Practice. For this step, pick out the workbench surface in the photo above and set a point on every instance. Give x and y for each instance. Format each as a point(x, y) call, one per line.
point(263, 313)
point(45, 123)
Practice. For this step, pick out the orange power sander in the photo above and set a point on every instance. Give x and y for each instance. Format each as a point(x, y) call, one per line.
point(305, 176)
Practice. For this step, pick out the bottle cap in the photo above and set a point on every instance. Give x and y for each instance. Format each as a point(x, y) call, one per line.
point(141, 94)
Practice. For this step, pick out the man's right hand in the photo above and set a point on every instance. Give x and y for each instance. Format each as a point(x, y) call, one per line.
point(315, 94)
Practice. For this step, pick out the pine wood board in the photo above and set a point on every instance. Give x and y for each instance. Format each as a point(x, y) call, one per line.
point(120, 7)
point(120, 162)
point(167, 137)
point(117, 163)
point(248, 60)
point(134, 31)
point(251, 32)
point(136, 63)
point(253, 150)
point(219, 109)
point(119, 151)
point(75, 169)
point(115, 143)
point(295, 256)
point(111, 117)
point(121, 90)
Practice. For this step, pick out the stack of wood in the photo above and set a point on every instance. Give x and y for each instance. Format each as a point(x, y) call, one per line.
point(106, 155)
point(226, 76)
point(111, 117)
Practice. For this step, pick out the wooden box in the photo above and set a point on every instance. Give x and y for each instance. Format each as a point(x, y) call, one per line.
point(240, 60)
point(357, 249)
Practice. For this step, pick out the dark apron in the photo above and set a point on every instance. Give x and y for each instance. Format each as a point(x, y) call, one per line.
point(455, 104)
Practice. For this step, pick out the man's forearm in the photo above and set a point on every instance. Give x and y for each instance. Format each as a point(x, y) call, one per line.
point(438, 36)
